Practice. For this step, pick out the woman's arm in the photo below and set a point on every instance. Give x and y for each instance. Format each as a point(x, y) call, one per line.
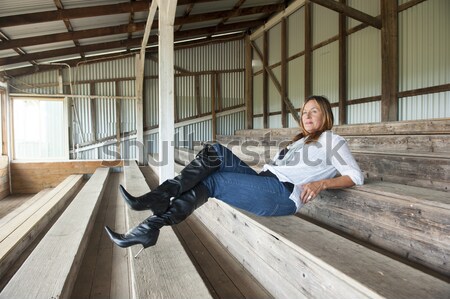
point(311, 190)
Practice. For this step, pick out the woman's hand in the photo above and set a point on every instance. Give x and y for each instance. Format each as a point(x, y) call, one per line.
point(311, 190)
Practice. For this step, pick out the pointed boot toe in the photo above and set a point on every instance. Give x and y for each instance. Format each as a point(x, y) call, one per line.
point(140, 234)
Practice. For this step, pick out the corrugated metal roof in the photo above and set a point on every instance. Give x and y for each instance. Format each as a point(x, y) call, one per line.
point(14, 7)
point(83, 3)
point(54, 31)
point(33, 30)
point(99, 22)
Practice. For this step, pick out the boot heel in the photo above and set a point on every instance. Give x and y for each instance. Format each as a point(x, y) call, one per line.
point(134, 237)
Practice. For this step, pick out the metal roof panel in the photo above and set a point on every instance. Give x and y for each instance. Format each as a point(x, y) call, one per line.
point(34, 29)
point(14, 7)
point(83, 3)
point(97, 22)
point(48, 47)
point(102, 39)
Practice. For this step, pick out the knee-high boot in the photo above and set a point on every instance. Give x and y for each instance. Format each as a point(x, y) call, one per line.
point(158, 200)
point(147, 232)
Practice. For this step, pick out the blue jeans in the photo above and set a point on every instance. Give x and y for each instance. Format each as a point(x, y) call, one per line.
point(238, 185)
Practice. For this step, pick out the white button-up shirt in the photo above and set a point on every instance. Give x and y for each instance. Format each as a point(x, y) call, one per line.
point(305, 163)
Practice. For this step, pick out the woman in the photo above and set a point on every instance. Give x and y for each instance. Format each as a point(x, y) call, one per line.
point(298, 174)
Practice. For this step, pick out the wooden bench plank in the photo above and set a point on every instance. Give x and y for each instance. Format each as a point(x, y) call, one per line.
point(423, 127)
point(50, 270)
point(294, 258)
point(12, 202)
point(15, 212)
point(19, 229)
point(120, 278)
point(391, 217)
point(163, 270)
point(233, 281)
point(421, 171)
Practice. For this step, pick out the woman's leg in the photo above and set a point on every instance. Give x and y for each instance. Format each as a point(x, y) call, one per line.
point(235, 184)
point(230, 162)
point(211, 158)
point(260, 195)
point(158, 200)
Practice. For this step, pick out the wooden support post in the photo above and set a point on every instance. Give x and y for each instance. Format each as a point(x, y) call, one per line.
point(248, 83)
point(265, 61)
point(93, 113)
point(342, 68)
point(389, 60)
point(308, 49)
point(166, 88)
point(60, 81)
point(176, 99)
point(219, 98)
point(213, 106)
point(118, 120)
point(139, 108)
point(140, 67)
point(284, 41)
point(4, 122)
point(198, 96)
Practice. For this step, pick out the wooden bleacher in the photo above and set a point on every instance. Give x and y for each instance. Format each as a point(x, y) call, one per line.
point(293, 258)
point(403, 207)
point(20, 227)
point(408, 221)
point(172, 273)
point(51, 268)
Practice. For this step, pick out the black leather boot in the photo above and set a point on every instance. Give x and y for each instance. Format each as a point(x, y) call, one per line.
point(206, 162)
point(157, 200)
point(147, 232)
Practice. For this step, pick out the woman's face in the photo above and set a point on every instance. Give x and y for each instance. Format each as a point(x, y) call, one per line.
point(312, 117)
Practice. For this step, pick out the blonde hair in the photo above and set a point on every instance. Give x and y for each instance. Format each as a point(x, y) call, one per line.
point(325, 108)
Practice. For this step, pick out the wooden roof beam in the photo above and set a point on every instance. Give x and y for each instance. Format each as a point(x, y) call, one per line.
point(81, 12)
point(350, 12)
point(129, 28)
point(69, 27)
point(126, 43)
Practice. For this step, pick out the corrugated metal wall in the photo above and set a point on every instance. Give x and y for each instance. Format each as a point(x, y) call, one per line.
point(421, 65)
point(295, 67)
point(41, 83)
point(94, 119)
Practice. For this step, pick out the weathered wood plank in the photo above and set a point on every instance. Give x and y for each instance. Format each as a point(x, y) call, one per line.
point(92, 271)
point(4, 177)
point(26, 177)
point(19, 229)
point(163, 270)
point(12, 202)
point(414, 144)
point(50, 270)
point(416, 228)
point(424, 127)
point(120, 278)
point(418, 144)
point(247, 285)
point(17, 210)
point(304, 260)
point(422, 171)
